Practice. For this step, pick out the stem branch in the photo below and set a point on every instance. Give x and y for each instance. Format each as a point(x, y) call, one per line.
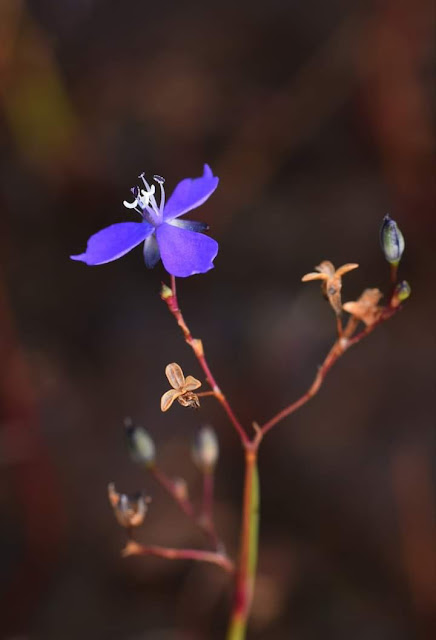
point(184, 503)
point(197, 347)
point(134, 549)
point(206, 519)
point(342, 344)
point(205, 524)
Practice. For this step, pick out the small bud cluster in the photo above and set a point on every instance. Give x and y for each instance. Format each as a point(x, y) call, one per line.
point(130, 510)
point(365, 309)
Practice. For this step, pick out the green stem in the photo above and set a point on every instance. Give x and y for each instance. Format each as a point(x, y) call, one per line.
point(246, 571)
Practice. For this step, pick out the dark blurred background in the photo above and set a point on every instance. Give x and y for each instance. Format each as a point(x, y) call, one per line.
point(318, 119)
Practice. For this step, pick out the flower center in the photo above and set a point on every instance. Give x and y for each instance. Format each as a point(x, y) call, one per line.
point(145, 201)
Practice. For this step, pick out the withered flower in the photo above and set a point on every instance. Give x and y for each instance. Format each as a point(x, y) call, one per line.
point(331, 281)
point(130, 511)
point(366, 308)
point(182, 390)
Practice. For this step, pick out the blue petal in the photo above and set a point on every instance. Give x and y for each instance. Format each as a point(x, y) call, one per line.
point(190, 194)
point(114, 242)
point(185, 252)
point(151, 252)
point(192, 225)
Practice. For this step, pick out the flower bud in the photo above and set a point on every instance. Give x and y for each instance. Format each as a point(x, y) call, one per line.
point(165, 292)
point(130, 511)
point(140, 444)
point(206, 449)
point(392, 241)
point(181, 489)
point(401, 293)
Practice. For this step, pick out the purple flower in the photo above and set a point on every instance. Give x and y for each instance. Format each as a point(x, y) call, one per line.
point(184, 250)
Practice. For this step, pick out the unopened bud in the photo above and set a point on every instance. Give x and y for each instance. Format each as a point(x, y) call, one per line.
point(206, 449)
point(180, 489)
point(197, 345)
point(392, 241)
point(130, 511)
point(401, 293)
point(140, 444)
point(165, 292)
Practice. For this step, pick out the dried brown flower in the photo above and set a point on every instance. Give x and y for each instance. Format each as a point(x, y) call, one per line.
point(130, 511)
point(182, 390)
point(366, 308)
point(331, 281)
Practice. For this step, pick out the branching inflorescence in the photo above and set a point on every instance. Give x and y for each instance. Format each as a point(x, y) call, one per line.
point(185, 250)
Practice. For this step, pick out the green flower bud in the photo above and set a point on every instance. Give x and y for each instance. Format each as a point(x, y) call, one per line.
point(392, 241)
point(401, 293)
point(403, 290)
point(206, 449)
point(140, 444)
point(165, 292)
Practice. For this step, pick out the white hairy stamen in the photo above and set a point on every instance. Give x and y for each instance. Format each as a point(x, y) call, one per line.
point(145, 196)
point(152, 201)
point(145, 200)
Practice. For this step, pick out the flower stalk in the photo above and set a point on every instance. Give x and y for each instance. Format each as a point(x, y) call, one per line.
point(185, 250)
point(246, 570)
point(247, 563)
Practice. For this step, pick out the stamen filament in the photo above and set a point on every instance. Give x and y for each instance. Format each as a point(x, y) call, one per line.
point(150, 191)
point(161, 182)
point(162, 198)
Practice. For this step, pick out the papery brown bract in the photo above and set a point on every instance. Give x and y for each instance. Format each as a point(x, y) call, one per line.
point(366, 308)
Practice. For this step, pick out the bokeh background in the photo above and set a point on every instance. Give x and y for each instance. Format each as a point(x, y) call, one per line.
point(318, 119)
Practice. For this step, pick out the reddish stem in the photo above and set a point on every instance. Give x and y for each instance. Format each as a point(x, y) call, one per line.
point(208, 490)
point(341, 345)
point(197, 347)
point(134, 549)
point(204, 523)
point(184, 503)
point(206, 518)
